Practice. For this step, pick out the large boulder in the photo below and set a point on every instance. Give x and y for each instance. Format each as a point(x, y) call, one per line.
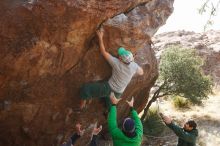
point(48, 49)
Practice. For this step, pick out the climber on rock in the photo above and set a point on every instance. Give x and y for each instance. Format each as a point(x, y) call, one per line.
point(80, 132)
point(123, 69)
point(132, 128)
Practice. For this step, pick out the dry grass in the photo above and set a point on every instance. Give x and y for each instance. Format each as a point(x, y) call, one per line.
point(180, 102)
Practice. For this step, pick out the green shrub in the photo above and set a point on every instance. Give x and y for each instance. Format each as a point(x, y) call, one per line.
point(152, 123)
point(181, 71)
point(181, 74)
point(180, 102)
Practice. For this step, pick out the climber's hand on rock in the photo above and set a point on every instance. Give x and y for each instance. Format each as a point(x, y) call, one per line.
point(113, 99)
point(100, 33)
point(96, 130)
point(131, 103)
point(79, 131)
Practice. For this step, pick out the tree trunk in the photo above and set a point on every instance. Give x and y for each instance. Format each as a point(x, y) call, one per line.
point(153, 99)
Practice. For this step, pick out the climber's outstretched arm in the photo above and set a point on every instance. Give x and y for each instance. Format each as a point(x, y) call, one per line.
point(100, 34)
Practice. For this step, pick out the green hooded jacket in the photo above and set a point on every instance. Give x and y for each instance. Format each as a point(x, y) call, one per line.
point(118, 137)
point(186, 138)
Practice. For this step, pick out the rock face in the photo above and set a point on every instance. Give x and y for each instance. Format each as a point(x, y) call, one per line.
point(207, 45)
point(48, 49)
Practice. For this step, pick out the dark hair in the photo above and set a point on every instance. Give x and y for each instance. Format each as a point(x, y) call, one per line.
point(128, 127)
point(130, 135)
point(192, 124)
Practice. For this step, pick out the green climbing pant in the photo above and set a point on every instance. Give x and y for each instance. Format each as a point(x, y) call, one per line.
point(97, 90)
